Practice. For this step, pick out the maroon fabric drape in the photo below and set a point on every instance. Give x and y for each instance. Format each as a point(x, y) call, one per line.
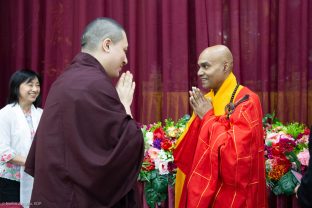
point(271, 42)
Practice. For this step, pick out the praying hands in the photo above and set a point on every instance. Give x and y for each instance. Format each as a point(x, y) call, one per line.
point(199, 103)
point(125, 89)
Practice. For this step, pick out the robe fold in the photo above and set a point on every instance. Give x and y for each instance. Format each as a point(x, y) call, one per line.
point(220, 160)
point(87, 151)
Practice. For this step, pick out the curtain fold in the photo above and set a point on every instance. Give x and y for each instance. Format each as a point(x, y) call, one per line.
point(270, 40)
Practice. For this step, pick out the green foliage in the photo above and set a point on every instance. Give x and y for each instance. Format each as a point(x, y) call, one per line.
point(155, 184)
point(271, 119)
point(181, 122)
point(146, 175)
point(294, 129)
point(168, 123)
point(285, 185)
point(288, 183)
point(156, 189)
point(300, 147)
point(292, 157)
point(274, 132)
point(156, 126)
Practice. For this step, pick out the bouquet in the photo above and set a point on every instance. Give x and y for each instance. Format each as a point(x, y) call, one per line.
point(286, 154)
point(158, 169)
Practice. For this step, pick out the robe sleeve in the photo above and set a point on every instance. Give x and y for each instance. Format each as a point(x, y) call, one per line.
point(107, 157)
point(226, 151)
point(186, 148)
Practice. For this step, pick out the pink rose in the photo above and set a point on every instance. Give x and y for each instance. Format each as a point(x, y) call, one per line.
point(153, 153)
point(304, 157)
point(163, 168)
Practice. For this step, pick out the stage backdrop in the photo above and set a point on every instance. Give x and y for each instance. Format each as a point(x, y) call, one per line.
point(271, 42)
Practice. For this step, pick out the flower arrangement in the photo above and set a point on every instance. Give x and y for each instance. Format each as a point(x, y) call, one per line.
point(286, 154)
point(158, 169)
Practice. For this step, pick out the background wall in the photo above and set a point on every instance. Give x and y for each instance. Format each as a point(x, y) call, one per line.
point(271, 41)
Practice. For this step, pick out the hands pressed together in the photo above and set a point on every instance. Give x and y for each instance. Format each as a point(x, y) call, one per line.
point(125, 89)
point(199, 103)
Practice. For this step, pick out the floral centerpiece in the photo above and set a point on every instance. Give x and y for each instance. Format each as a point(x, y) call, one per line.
point(158, 169)
point(286, 154)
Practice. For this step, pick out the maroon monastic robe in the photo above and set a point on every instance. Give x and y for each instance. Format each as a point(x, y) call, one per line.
point(87, 151)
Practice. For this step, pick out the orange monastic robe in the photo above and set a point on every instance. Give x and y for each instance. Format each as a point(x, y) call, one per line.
point(222, 160)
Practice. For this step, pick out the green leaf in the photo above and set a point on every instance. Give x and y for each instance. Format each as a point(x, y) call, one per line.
point(277, 190)
point(153, 174)
point(294, 129)
point(171, 179)
point(300, 147)
point(270, 119)
point(287, 183)
point(150, 195)
point(292, 157)
point(160, 184)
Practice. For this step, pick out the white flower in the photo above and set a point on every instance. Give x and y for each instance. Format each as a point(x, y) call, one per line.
point(172, 131)
point(165, 156)
point(268, 165)
point(149, 136)
point(163, 168)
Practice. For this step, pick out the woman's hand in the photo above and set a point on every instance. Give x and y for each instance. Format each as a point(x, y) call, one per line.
point(296, 190)
point(18, 160)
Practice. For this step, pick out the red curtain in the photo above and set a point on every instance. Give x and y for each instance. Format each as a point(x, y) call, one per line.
point(271, 42)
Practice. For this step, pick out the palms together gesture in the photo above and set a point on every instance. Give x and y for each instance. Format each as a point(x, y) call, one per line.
point(125, 89)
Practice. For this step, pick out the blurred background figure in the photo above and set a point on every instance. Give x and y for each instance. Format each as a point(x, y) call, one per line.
point(18, 123)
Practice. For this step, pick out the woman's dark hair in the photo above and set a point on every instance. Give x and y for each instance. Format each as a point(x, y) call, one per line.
point(19, 77)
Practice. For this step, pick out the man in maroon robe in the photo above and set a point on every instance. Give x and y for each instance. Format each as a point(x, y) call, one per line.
point(88, 150)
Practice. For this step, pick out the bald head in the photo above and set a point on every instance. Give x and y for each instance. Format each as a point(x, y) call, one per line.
point(215, 64)
point(219, 53)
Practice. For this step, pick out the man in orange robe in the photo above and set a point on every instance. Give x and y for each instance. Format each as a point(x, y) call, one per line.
point(220, 156)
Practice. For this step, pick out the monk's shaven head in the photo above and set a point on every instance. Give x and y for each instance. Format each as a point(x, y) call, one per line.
point(99, 30)
point(220, 53)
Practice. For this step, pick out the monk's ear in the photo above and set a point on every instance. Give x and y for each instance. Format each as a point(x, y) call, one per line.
point(226, 67)
point(106, 43)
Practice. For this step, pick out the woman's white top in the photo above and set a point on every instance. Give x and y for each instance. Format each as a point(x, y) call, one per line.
point(16, 134)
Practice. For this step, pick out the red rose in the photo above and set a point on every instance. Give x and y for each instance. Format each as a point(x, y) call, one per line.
point(159, 133)
point(166, 144)
point(148, 164)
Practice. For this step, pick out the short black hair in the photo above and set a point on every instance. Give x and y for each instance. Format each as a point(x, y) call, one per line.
point(19, 77)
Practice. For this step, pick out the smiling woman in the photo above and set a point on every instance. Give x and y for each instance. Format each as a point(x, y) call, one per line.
point(18, 122)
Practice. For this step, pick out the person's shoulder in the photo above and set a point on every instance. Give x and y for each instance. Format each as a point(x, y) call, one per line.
point(253, 99)
point(7, 110)
point(8, 107)
point(252, 95)
point(247, 90)
point(38, 109)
